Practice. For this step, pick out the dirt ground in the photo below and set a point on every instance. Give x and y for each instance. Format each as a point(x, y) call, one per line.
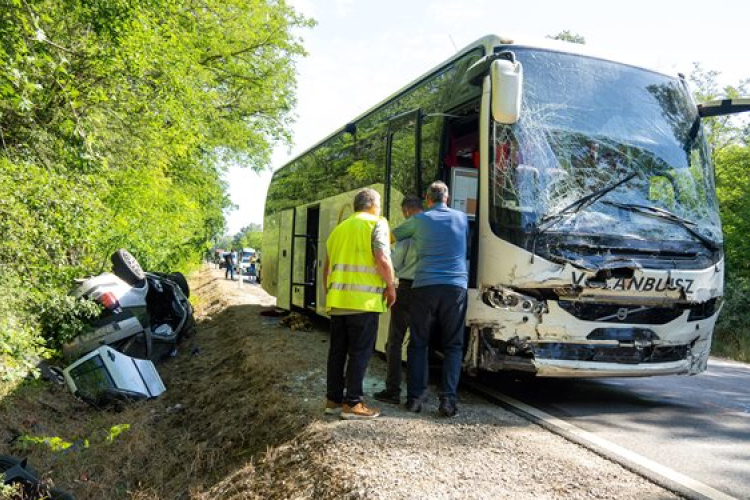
point(242, 419)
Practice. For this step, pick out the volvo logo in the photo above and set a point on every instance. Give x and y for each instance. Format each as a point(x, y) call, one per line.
point(622, 314)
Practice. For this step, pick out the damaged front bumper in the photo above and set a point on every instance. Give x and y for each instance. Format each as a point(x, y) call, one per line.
point(591, 369)
point(510, 330)
point(641, 358)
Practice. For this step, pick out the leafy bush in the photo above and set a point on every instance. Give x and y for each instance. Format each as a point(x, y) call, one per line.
point(63, 317)
point(21, 343)
point(732, 334)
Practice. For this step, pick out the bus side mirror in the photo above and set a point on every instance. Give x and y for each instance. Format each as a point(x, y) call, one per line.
point(721, 107)
point(506, 78)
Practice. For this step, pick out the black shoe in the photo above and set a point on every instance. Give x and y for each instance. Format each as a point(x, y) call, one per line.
point(447, 409)
point(387, 396)
point(413, 405)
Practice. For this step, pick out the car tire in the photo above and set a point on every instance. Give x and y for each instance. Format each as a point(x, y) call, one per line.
point(31, 486)
point(125, 267)
point(7, 462)
point(181, 281)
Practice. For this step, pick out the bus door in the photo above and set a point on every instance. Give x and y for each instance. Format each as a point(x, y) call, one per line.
point(305, 267)
point(403, 159)
point(286, 248)
point(460, 159)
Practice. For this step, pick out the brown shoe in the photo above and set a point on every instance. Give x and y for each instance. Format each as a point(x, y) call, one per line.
point(358, 412)
point(332, 407)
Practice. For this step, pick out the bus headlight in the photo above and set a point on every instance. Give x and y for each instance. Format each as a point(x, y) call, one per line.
point(504, 298)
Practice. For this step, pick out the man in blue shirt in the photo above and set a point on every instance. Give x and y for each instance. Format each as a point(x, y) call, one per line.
point(438, 295)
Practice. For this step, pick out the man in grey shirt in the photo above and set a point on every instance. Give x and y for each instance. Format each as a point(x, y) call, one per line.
point(439, 294)
point(404, 260)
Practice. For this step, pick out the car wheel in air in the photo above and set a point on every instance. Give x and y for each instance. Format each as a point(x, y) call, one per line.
point(125, 267)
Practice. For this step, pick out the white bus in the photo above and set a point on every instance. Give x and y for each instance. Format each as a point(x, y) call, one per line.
point(596, 243)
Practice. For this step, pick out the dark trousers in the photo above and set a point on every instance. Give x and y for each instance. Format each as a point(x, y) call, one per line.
point(400, 314)
point(352, 344)
point(441, 307)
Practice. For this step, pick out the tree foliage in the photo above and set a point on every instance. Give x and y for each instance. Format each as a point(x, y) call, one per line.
point(729, 139)
point(117, 119)
point(721, 131)
point(250, 236)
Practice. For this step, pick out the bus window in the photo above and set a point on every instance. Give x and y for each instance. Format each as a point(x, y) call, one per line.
point(403, 170)
point(402, 162)
point(432, 127)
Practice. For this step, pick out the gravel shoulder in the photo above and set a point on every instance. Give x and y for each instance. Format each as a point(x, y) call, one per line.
point(484, 452)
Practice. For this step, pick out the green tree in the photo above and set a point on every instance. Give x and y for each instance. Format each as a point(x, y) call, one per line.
point(249, 236)
point(117, 121)
point(728, 137)
point(721, 131)
point(733, 190)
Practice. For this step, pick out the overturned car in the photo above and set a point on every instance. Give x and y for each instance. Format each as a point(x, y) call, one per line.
point(144, 316)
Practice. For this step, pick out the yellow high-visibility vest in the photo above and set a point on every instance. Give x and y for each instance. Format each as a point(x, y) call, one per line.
point(354, 282)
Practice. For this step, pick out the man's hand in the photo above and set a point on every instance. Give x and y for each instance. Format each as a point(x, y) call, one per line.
point(389, 295)
point(385, 270)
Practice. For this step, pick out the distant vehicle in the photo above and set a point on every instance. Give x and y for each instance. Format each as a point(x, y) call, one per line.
point(596, 243)
point(247, 261)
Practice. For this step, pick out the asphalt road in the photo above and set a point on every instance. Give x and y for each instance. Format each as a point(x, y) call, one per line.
point(698, 426)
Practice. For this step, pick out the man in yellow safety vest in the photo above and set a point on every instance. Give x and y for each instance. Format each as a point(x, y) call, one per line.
point(359, 282)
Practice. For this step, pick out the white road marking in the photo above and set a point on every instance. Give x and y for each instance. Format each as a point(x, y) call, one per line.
point(615, 449)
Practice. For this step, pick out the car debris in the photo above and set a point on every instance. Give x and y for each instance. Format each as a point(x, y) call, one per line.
point(16, 471)
point(105, 375)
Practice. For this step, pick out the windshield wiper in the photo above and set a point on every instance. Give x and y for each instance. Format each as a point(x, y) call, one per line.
point(582, 203)
point(660, 213)
point(573, 208)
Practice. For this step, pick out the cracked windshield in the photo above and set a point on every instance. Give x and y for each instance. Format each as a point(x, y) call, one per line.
point(603, 149)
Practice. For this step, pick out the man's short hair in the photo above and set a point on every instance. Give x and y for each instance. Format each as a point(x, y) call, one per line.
point(411, 202)
point(365, 199)
point(437, 192)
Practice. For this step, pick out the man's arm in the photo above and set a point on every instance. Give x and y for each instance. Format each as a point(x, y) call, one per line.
point(405, 229)
point(398, 255)
point(382, 255)
point(385, 269)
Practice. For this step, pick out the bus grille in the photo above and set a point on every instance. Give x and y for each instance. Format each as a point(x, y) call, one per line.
point(630, 314)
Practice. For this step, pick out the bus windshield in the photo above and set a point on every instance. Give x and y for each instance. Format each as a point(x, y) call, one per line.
point(603, 151)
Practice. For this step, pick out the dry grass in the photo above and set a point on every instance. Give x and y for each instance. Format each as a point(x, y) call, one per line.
point(229, 400)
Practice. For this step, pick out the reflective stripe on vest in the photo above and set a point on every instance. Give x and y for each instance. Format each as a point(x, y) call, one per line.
point(354, 282)
point(358, 288)
point(355, 269)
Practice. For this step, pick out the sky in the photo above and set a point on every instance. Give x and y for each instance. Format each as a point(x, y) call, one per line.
point(361, 52)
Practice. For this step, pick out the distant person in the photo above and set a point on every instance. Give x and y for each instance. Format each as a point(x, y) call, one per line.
point(438, 296)
point(229, 261)
point(359, 283)
point(404, 260)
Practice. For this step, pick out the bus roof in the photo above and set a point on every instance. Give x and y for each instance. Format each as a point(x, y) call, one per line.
point(488, 42)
